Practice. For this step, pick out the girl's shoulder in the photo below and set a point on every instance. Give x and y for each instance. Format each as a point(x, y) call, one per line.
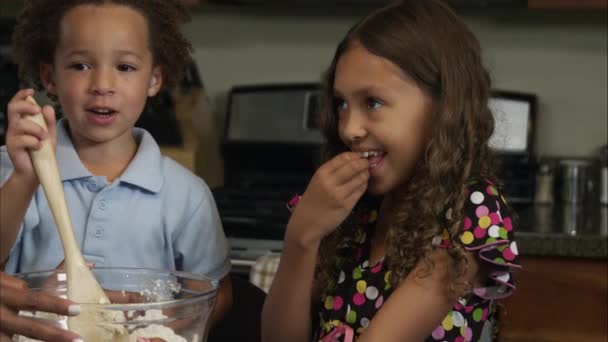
point(487, 231)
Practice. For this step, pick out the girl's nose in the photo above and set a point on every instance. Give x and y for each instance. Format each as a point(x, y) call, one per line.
point(352, 127)
point(103, 82)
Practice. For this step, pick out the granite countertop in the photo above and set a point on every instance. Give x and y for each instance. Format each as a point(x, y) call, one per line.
point(562, 230)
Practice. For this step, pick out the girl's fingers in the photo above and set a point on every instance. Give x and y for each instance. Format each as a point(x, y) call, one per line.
point(338, 161)
point(34, 328)
point(354, 185)
point(39, 301)
point(350, 170)
point(12, 282)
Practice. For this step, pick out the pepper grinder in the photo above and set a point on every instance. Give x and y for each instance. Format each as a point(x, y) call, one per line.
point(544, 183)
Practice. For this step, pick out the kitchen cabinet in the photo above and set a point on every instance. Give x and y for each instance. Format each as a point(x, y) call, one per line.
point(568, 4)
point(557, 299)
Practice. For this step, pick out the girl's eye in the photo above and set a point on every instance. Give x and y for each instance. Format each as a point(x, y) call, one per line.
point(79, 66)
point(340, 104)
point(373, 103)
point(126, 68)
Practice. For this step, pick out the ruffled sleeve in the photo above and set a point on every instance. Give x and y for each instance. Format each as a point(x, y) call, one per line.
point(488, 232)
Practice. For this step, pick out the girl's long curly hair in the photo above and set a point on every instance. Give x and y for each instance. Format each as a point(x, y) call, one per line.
point(37, 34)
point(438, 51)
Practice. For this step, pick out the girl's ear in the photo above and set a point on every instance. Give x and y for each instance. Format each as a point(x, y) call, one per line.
point(47, 78)
point(156, 81)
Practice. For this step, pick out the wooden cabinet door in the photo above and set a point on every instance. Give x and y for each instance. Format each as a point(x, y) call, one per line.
point(557, 300)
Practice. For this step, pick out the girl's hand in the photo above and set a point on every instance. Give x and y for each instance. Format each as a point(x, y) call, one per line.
point(23, 134)
point(16, 296)
point(329, 198)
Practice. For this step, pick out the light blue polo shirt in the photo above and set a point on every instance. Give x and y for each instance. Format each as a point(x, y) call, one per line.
point(157, 214)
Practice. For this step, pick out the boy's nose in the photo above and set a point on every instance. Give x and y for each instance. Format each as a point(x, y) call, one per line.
point(103, 83)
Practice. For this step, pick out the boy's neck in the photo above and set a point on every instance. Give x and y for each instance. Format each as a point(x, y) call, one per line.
point(107, 159)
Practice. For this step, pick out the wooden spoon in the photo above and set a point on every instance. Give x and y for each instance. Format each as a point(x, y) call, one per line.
point(82, 286)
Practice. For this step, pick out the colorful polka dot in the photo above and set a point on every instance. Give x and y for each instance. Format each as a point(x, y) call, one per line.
point(490, 190)
point(448, 323)
point(364, 322)
point(358, 299)
point(379, 302)
point(361, 285)
point(457, 318)
point(357, 272)
point(513, 248)
point(467, 333)
point(477, 197)
point(373, 215)
point(493, 231)
point(351, 317)
point(504, 277)
point(341, 277)
point(481, 211)
point(480, 233)
point(508, 254)
point(507, 223)
point(338, 302)
point(503, 233)
point(467, 238)
point(329, 302)
point(438, 333)
point(494, 218)
point(477, 314)
point(371, 293)
point(378, 267)
point(485, 221)
point(467, 223)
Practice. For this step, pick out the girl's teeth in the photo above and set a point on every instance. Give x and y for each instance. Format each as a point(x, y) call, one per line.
point(367, 154)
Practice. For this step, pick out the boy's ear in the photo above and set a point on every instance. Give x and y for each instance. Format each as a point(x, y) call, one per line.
point(156, 81)
point(46, 76)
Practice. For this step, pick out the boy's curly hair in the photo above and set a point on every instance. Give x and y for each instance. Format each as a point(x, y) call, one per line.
point(37, 33)
point(435, 48)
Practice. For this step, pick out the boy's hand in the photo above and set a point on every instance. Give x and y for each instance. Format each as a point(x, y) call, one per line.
point(23, 134)
point(329, 198)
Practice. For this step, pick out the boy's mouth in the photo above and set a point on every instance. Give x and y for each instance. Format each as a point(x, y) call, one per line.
point(102, 111)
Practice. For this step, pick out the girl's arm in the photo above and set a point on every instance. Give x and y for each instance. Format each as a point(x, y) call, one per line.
point(286, 312)
point(419, 303)
point(330, 196)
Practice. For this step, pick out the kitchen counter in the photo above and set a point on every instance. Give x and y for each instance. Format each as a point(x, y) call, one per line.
point(561, 230)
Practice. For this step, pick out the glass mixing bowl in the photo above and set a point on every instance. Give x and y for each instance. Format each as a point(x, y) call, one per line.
point(164, 305)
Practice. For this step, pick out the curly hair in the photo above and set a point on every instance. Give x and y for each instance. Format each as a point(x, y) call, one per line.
point(37, 33)
point(428, 42)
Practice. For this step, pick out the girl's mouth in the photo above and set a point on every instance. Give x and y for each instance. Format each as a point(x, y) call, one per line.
point(373, 156)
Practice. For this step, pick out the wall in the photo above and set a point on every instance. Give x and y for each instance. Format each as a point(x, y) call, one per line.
point(560, 56)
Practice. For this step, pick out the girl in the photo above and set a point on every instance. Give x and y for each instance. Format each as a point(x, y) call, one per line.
point(130, 206)
point(429, 247)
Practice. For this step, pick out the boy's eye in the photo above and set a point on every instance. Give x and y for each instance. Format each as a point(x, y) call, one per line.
point(126, 67)
point(373, 103)
point(79, 66)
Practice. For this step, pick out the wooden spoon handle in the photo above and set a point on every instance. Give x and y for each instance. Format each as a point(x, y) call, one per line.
point(46, 169)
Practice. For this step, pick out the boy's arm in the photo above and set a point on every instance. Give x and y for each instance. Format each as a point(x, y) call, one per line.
point(15, 197)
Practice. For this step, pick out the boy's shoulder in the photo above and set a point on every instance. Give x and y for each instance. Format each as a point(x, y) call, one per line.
point(179, 178)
